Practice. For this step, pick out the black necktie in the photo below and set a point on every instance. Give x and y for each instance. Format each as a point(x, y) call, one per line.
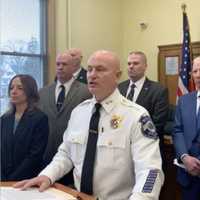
point(131, 93)
point(88, 164)
point(61, 98)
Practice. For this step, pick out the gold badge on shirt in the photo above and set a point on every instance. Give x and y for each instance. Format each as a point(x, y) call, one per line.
point(116, 121)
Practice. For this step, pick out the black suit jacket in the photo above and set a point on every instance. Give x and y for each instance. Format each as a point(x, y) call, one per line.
point(153, 97)
point(22, 152)
point(82, 76)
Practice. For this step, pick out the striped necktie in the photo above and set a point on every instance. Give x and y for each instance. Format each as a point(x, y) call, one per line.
point(61, 98)
point(131, 93)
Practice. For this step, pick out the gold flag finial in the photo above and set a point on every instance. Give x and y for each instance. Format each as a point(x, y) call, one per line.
point(183, 6)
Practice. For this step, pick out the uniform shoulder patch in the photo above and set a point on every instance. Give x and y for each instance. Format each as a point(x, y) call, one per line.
point(147, 127)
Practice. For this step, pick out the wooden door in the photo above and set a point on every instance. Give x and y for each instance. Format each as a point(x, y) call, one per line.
point(168, 75)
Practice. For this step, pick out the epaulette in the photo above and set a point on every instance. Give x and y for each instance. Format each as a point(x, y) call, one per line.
point(87, 101)
point(126, 102)
point(135, 106)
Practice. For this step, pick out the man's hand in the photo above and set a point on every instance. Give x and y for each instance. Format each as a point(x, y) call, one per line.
point(192, 165)
point(43, 182)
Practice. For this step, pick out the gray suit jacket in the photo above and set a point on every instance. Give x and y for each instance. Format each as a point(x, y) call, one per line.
point(58, 121)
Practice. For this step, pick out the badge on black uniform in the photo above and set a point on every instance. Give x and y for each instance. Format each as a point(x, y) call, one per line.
point(148, 128)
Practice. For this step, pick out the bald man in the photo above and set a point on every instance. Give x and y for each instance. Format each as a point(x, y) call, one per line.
point(186, 138)
point(74, 93)
point(80, 74)
point(125, 161)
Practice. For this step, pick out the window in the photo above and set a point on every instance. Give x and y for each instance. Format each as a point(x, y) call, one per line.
point(22, 42)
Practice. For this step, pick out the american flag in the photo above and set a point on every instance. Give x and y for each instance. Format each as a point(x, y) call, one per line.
point(185, 83)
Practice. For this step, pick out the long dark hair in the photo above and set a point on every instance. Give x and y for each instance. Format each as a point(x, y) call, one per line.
point(30, 89)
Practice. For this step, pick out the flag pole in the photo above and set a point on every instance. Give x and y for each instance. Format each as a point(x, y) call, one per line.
point(183, 6)
point(185, 82)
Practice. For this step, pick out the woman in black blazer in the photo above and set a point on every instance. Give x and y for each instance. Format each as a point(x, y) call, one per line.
point(24, 131)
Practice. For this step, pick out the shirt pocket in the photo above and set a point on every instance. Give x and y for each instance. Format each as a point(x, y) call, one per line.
point(112, 150)
point(77, 143)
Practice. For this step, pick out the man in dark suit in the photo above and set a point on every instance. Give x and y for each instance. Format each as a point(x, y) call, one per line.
point(149, 94)
point(74, 93)
point(80, 73)
point(186, 138)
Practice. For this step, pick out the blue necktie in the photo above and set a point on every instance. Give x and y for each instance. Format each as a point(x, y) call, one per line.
point(88, 164)
point(61, 98)
point(198, 125)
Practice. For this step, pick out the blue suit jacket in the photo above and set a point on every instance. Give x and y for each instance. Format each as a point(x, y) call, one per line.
point(185, 131)
point(22, 152)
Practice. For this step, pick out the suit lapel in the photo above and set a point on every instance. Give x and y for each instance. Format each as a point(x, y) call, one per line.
point(51, 98)
point(124, 88)
point(143, 92)
point(71, 93)
point(23, 126)
point(8, 130)
point(82, 75)
point(192, 108)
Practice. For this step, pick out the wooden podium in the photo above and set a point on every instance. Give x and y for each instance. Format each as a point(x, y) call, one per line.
point(78, 195)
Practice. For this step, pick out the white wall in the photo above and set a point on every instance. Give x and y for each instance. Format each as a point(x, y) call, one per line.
point(164, 19)
point(114, 25)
